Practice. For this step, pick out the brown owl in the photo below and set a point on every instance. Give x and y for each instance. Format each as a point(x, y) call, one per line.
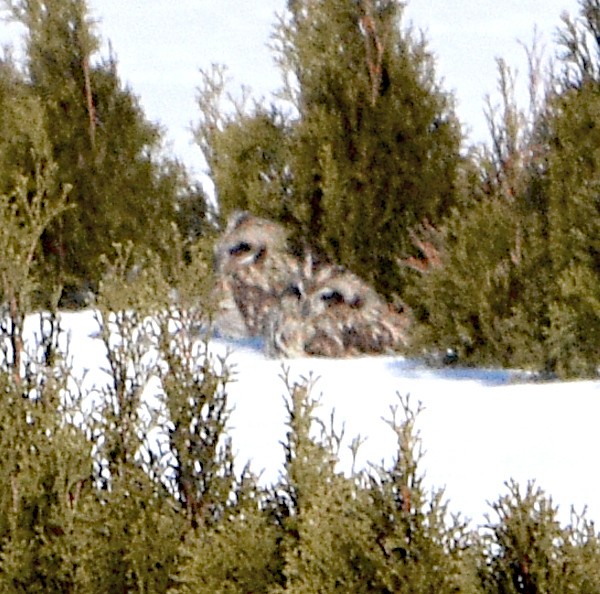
point(252, 268)
point(299, 308)
point(328, 311)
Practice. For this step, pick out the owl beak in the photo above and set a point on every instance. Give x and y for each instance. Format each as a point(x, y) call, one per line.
point(216, 264)
point(305, 310)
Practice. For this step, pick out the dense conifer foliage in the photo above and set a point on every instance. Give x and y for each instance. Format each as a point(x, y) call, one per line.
point(92, 505)
point(493, 248)
point(514, 274)
point(496, 251)
point(573, 183)
point(104, 148)
point(133, 493)
point(365, 147)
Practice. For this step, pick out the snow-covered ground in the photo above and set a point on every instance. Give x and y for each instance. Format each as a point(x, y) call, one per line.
point(479, 428)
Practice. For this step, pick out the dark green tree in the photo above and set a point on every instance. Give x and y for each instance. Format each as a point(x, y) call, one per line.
point(515, 278)
point(23, 138)
point(526, 550)
point(376, 143)
point(481, 288)
point(246, 151)
point(369, 149)
point(572, 193)
point(122, 188)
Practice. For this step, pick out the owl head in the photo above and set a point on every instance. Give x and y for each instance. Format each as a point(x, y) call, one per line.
point(328, 311)
point(328, 288)
point(247, 241)
point(251, 268)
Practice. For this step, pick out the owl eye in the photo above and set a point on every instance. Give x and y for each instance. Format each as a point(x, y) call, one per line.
point(332, 298)
point(243, 247)
point(356, 302)
point(293, 291)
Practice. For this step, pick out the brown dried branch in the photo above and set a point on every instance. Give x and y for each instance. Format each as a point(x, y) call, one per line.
point(91, 108)
point(427, 239)
point(374, 49)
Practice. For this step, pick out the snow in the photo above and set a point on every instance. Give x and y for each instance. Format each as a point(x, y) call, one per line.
point(479, 428)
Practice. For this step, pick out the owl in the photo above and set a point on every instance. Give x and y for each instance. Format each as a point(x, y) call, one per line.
point(300, 307)
point(252, 267)
point(328, 311)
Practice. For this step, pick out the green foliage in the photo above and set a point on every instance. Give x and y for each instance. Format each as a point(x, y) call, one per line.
point(421, 544)
point(367, 161)
point(43, 458)
point(483, 281)
point(518, 273)
point(45, 468)
point(133, 527)
point(246, 152)
point(237, 555)
point(369, 149)
point(526, 550)
point(573, 184)
point(23, 138)
point(377, 144)
point(316, 516)
point(128, 537)
point(122, 188)
point(24, 218)
point(318, 530)
point(486, 299)
point(24, 215)
point(140, 496)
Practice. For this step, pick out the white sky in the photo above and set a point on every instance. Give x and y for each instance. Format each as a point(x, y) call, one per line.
point(161, 44)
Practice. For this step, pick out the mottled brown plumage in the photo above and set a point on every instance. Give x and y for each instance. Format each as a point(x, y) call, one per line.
point(252, 268)
point(330, 312)
point(299, 307)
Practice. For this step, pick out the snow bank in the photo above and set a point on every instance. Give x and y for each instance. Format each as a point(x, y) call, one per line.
point(479, 427)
